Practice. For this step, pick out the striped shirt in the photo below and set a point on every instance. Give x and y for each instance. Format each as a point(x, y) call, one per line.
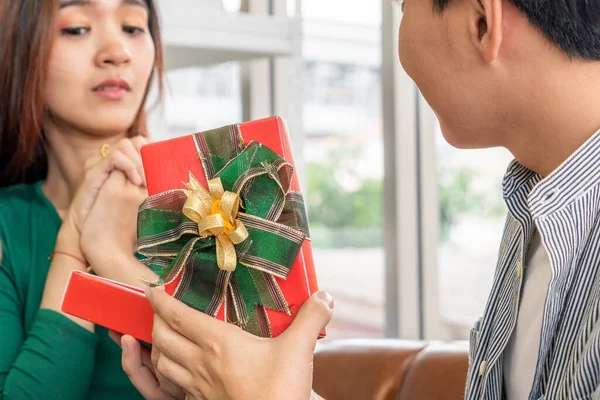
point(565, 208)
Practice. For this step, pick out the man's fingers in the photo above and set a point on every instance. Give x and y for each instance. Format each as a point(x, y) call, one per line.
point(175, 346)
point(154, 356)
point(313, 316)
point(194, 325)
point(140, 375)
point(172, 376)
point(116, 337)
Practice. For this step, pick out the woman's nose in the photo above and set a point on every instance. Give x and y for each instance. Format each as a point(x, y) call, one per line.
point(114, 53)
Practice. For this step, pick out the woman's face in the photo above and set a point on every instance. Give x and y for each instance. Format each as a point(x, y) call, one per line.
point(101, 60)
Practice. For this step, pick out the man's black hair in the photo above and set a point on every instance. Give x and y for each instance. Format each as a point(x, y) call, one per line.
point(572, 25)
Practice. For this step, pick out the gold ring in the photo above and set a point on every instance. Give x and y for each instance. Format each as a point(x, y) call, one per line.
point(103, 150)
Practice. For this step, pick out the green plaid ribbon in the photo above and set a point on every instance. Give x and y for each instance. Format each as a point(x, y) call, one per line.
point(273, 215)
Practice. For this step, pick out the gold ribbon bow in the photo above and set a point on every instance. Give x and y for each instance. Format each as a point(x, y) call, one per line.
point(215, 211)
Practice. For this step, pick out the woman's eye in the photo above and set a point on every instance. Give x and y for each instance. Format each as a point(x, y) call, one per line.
point(133, 30)
point(75, 31)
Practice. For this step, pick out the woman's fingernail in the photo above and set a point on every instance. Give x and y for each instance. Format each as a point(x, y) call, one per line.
point(325, 298)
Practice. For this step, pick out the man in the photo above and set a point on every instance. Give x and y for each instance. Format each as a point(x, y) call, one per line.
point(525, 75)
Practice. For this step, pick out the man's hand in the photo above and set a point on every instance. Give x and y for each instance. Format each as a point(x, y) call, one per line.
point(213, 360)
point(137, 364)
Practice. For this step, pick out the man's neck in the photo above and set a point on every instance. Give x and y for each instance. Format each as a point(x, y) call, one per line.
point(560, 117)
point(68, 152)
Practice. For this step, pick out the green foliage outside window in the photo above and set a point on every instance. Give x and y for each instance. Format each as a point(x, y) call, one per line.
point(346, 207)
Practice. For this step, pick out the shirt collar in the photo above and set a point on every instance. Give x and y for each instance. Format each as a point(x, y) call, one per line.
point(516, 177)
point(575, 176)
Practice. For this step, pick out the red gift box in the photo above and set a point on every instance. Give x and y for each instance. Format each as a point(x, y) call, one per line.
point(123, 308)
point(113, 305)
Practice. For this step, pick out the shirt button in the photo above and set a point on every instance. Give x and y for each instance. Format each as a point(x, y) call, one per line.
point(519, 269)
point(482, 368)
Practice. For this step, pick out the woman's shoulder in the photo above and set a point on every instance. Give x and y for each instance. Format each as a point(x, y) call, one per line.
point(18, 192)
point(15, 214)
point(15, 206)
point(13, 199)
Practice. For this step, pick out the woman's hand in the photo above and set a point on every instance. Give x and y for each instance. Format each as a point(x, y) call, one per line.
point(109, 233)
point(124, 157)
point(213, 360)
point(106, 213)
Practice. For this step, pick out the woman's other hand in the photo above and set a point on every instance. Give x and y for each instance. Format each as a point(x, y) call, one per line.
point(213, 360)
point(124, 157)
point(109, 233)
point(121, 160)
point(103, 214)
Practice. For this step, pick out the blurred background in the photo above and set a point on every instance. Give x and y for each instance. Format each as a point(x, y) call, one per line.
point(405, 229)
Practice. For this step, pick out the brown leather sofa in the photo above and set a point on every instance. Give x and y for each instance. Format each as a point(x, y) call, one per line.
point(386, 369)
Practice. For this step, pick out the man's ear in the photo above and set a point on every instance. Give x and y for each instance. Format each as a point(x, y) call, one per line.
point(486, 28)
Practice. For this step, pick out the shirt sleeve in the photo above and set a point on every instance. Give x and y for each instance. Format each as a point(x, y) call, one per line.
point(54, 360)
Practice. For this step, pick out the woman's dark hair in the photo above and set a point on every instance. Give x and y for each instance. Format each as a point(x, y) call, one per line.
point(572, 25)
point(26, 32)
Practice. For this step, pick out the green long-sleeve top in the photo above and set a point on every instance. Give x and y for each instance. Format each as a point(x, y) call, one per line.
point(43, 354)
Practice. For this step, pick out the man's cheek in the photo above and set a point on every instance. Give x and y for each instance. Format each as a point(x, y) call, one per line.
point(406, 56)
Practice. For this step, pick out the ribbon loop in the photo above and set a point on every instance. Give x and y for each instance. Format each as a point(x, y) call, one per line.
point(196, 207)
point(226, 257)
point(212, 225)
point(215, 212)
point(240, 233)
point(229, 205)
point(215, 187)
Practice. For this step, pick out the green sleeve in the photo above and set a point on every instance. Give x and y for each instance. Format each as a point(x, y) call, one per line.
point(54, 360)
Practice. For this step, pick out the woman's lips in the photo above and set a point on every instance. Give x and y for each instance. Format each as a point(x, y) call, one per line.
point(112, 89)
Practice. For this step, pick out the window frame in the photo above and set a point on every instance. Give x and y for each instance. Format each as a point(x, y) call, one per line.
point(411, 219)
point(410, 196)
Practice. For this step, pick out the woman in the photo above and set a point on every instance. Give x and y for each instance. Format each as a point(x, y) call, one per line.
point(74, 76)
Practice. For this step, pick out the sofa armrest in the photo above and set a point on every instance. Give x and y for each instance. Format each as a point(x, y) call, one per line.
point(362, 369)
point(388, 369)
point(438, 372)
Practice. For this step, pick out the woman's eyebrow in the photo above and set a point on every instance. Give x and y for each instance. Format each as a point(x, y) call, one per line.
point(70, 3)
